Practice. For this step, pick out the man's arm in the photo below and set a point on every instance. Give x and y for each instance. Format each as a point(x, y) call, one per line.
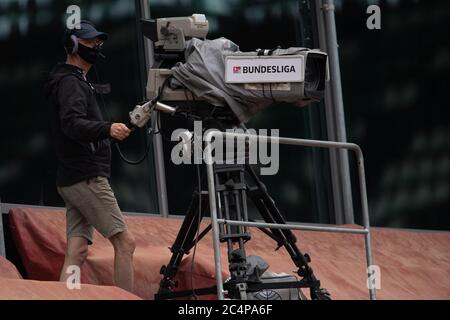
point(72, 100)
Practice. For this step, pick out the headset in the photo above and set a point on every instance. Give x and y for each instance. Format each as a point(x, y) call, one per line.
point(70, 40)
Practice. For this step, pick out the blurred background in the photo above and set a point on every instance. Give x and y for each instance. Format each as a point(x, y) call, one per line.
point(395, 82)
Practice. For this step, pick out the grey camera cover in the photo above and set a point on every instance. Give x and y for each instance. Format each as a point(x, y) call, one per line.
point(203, 73)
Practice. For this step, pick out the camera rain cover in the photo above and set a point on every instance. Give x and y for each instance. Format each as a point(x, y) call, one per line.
point(203, 73)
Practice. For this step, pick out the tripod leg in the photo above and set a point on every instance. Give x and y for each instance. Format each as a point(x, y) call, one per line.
point(183, 243)
point(271, 214)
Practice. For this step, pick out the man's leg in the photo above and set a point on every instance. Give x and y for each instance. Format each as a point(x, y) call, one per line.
point(97, 205)
point(76, 253)
point(79, 233)
point(124, 246)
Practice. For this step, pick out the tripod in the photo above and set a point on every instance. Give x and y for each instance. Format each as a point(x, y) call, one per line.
point(232, 189)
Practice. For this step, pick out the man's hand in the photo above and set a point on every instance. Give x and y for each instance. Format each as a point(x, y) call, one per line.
point(119, 131)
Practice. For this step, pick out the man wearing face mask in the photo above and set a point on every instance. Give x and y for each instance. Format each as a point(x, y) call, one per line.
point(82, 141)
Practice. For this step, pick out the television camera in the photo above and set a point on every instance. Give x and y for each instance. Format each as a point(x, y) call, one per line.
point(212, 79)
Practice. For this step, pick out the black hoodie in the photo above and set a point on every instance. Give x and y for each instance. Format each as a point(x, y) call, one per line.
point(82, 137)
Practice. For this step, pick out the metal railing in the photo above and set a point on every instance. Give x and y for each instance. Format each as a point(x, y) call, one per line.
point(294, 142)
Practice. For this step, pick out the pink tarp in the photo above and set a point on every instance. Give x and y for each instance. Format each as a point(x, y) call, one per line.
point(13, 287)
point(414, 265)
point(8, 270)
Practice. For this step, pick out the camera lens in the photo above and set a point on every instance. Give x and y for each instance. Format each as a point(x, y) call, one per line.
point(313, 73)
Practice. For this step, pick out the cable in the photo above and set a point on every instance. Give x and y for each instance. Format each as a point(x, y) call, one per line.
point(161, 89)
point(199, 183)
point(199, 186)
point(151, 132)
point(133, 162)
point(271, 93)
point(115, 142)
point(264, 90)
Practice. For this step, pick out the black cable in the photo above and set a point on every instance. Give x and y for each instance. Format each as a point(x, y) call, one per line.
point(158, 120)
point(144, 156)
point(161, 89)
point(133, 162)
point(160, 132)
point(151, 132)
point(264, 90)
point(158, 97)
point(115, 142)
point(199, 184)
point(271, 93)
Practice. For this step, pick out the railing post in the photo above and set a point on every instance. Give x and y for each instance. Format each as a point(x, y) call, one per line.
point(296, 142)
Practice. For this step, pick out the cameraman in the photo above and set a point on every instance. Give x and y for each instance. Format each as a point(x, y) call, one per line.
point(82, 140)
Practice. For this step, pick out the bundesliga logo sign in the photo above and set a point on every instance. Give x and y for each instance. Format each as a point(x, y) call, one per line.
point(249, 69)
point(264, 69)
